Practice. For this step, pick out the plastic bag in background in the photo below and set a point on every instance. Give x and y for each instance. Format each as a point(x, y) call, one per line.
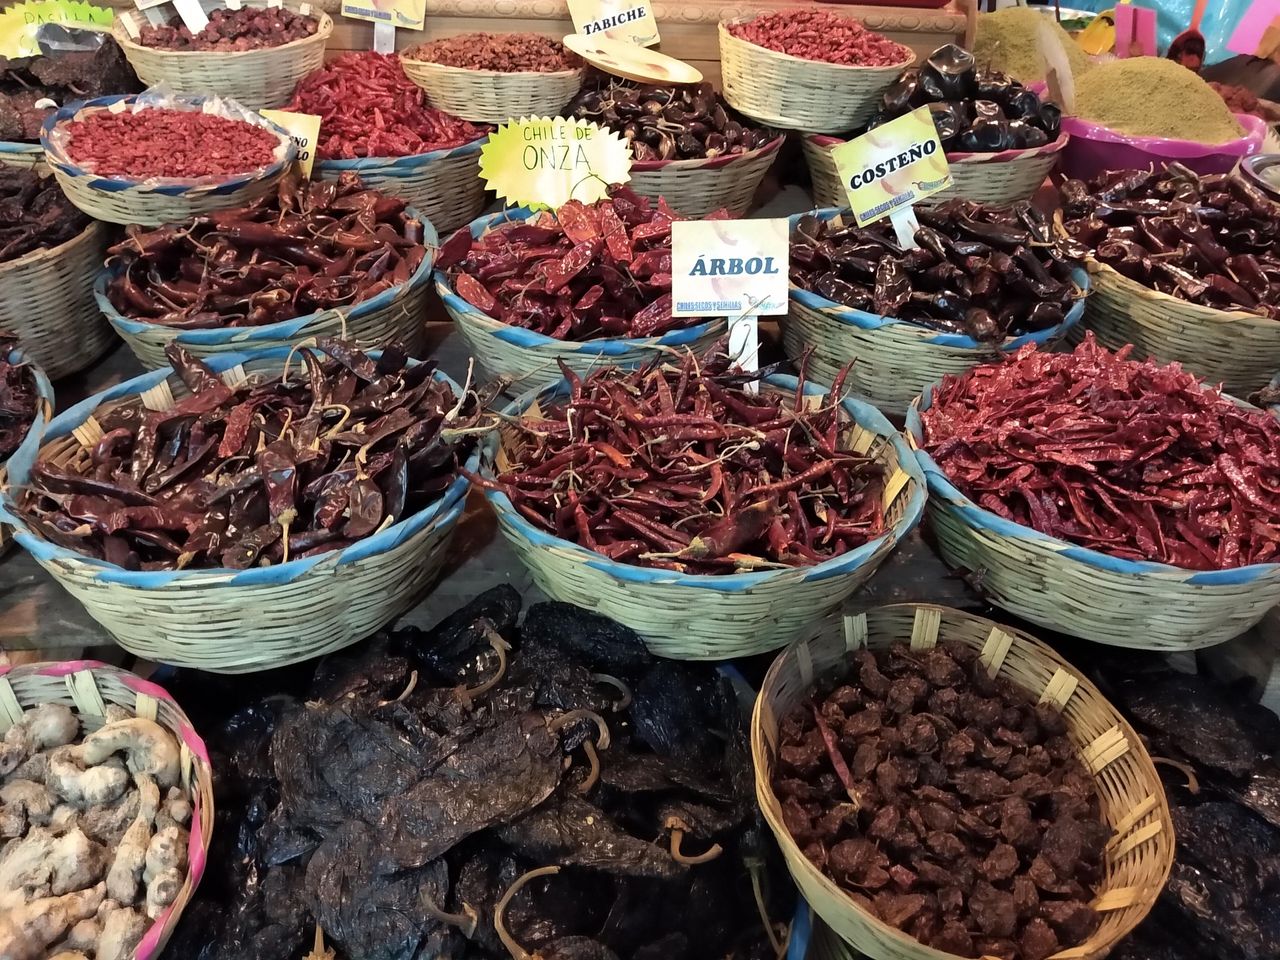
point(54, 38)
point(1174, 16)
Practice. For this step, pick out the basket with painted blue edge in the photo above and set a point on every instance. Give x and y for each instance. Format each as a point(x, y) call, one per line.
point(716, 617)
point(16, 154)
point(35, 433)
point(158, 200)
point(1085, 593)
point(892, 359)
point(237, 621)
point(444, 185)
point(530, 357)
point(396, 315)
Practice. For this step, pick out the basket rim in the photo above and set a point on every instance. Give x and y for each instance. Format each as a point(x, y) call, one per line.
point(1206, 314)
point(471, 72)
point(324, 30)
point(94, 227)
point(19, 146)
point(863, 414)
point(359, 164)
point(709, 163)
point(746, 18)
point(46, 403)
point(826, 141)
point(941, 487)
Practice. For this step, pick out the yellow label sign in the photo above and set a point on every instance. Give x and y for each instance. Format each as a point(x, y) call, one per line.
point(617, 19)
point(303, 130)
point(20, 23)
point(892, 166)
point(404, 14)
point(545, 162)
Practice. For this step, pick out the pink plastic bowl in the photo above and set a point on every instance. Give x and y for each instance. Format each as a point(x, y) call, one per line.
point(1094, 149)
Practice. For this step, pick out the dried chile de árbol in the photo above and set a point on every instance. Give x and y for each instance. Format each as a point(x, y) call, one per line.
point(276, 468)
point(1136, 460)
point(18, 398)
point(34, 213)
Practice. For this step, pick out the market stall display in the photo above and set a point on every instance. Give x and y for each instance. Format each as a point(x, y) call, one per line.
point(1008, 41)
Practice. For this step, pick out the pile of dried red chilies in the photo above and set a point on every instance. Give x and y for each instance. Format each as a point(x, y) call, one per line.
point(679, 467)
point(1130, 458)
point(584, 271)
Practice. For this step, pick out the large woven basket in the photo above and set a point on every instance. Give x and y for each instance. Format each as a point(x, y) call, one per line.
point(88, 687)
point(893, 360)
point(1082, 592)
point(230, 621)
point(1138, 857)
point(443, 185)
point(493, 96)
point(257, 79)
point(15, 154)
point(786, 91)
point(1239, 350)
point(46, 298)
point(697, 187)
point(393, 316)
point(708, 617)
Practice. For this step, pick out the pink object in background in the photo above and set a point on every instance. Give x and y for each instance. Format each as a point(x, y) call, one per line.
point(1254, 23)
point(1093, 149)
point(1135, 25)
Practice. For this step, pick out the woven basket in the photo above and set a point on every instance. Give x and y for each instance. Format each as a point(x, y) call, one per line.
point(697, 187)
point(160, 201)
point(238, 621)
point(786, 91)
point(14, 154)
point(257, 79)
point(396, 315)
point(443, 185)
point(999, 178)
point(46, 298)
point(709, 617)
point(1239, 350)
point(31, 442)
point(1140, 854)
point(493, 96)
point(88, 686)
point(1082, 592)
point(893, 360)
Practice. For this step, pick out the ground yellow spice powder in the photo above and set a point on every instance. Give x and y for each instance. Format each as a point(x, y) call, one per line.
point(1009, 41)
point(1154, 97)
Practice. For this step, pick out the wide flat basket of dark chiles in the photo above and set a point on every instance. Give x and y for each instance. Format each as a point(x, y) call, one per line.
point(942, 786)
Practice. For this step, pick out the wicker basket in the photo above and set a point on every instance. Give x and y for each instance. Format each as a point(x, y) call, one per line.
point(443, 185)
point(257, 79)
point(697, 187)
point(893, 360)
point(1082, 592)
point(160, 201)
point(709, 617)
point(30, 443)
point(46, 298)
point(14, 154)
point(786, 91)
point(230, 621)
point(493, 96)
point(999, 178)
point(88, 687)
point(1140, 854)
point(396, 315)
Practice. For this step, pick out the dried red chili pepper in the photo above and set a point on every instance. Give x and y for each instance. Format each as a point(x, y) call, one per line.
point(503, 52)
point(821, 35)
point(249, 28)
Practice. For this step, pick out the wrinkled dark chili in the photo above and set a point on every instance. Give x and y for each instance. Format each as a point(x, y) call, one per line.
point(18, 398)
point(34, 213)
point(61, 77)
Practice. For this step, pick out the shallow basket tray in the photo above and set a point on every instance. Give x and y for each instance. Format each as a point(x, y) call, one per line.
point(443, 185)
point(710, 617)
point(999, 178)
point(15, 154)
point(493, 96)
point(88, 687)
point(1139, 855)
point(46, 298)
point(393, 316)
point(1086, 593)
point(238, 621)
point(786, 91)
point(697, 187)
point(257, 79)
point(893, 360)
point(530, 357)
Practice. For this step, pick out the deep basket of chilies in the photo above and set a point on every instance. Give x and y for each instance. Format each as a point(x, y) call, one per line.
point(255, 509)
point(714, 521)
point(1130, 505)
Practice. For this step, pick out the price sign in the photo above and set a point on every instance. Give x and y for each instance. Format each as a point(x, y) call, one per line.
point(20, 23)
point(616, 19)
point(546, 162)
point(303, 130)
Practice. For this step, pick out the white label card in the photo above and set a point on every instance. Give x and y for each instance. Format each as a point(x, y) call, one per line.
point(729, 268)
point(192, 14)
point(617, 19)
point(384, 38)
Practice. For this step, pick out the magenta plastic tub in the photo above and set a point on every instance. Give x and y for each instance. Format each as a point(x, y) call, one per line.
point(1094, 149)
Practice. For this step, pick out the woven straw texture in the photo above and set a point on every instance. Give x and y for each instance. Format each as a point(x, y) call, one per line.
point(712, 617)
point(1239, 350)
point(15, 154)
point(491, 96)
point(1139, 855)
point(257, 79)
point(697, 187)
point(46, 298)
point(998, 178)
point(88, 687)
point(230, 621)
point(785, 91)
point(444, 185)
point(1084, 593)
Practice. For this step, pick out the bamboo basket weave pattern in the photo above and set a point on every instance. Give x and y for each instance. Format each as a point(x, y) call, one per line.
point(14, 154)
point(1139, 855)
point(493, 96)
point(697, 187)
point(87, 687)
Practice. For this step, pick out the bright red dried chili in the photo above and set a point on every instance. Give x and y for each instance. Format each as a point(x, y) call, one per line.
point(821, 35)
